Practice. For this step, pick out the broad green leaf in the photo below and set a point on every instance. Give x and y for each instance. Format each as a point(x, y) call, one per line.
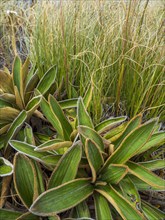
point(115, 133)
point(24, 178)
point(29, 137)
point(6, 82)
point(88, 95)
point(9, 214)
point(28, 150)
point(130, 192)
point(56, 109)
point(4, 128)
point(114, 173)
point(6, 168)
point(33, 104)
point(18, 99)
point(15, 127)
point(102, 208)
point(131, 144)
point(93, 135)
point(25, 70)
point(8, 97)
point(4, 103)
point(94, 157)
point(53, 145)
point(8, 113)
point(153, 164)
point(31, 85)
point(17, 75)
point(145, 175)
point(134, 123)
point(81, 211)
point(47, 80)
point(55, 217)
point(123, 207)
point(109, 124)
point(156, 140)
point(67, 167)
point(62, 198)
point(38, 181)
point(151, 212)
point(68, 103)
point(83, 116)
point(52, 118)
point(141, 185)
point(28, 216)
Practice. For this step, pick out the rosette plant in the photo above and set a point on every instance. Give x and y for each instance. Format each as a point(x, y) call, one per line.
point(18, 101)
point(83, 166)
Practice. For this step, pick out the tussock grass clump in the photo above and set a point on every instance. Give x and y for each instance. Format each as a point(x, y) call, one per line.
point(118, 44)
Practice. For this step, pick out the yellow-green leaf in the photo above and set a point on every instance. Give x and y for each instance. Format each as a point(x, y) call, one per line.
point(6, 82)
point(68, 103)
point(6, 168)
point(102, 208)
point(91, 134)
point(94, 157)
point(28, 216)
point(56, 109)
point(123, 207)
point(28, 150)
point(9, 214)
point(67, 167)
point(17, 76)
point(15, 127)
point(153, 164)
point(8, 113)
point(24, 178)
point(114, 173)
point(52, 118)
point(131, 144)
point(81, 211)
point(145, 175)
point(156, 140)
point(130, 192)
point(151, 212)
point(109, 124)
point(53, 145)
point(62, 198)
point(133, 123)
point(47, 80)
point(83, 116)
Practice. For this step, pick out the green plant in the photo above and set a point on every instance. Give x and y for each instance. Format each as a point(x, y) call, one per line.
point(17, 95)
point(116, 43)
point(59, 173)
point(119, 44)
